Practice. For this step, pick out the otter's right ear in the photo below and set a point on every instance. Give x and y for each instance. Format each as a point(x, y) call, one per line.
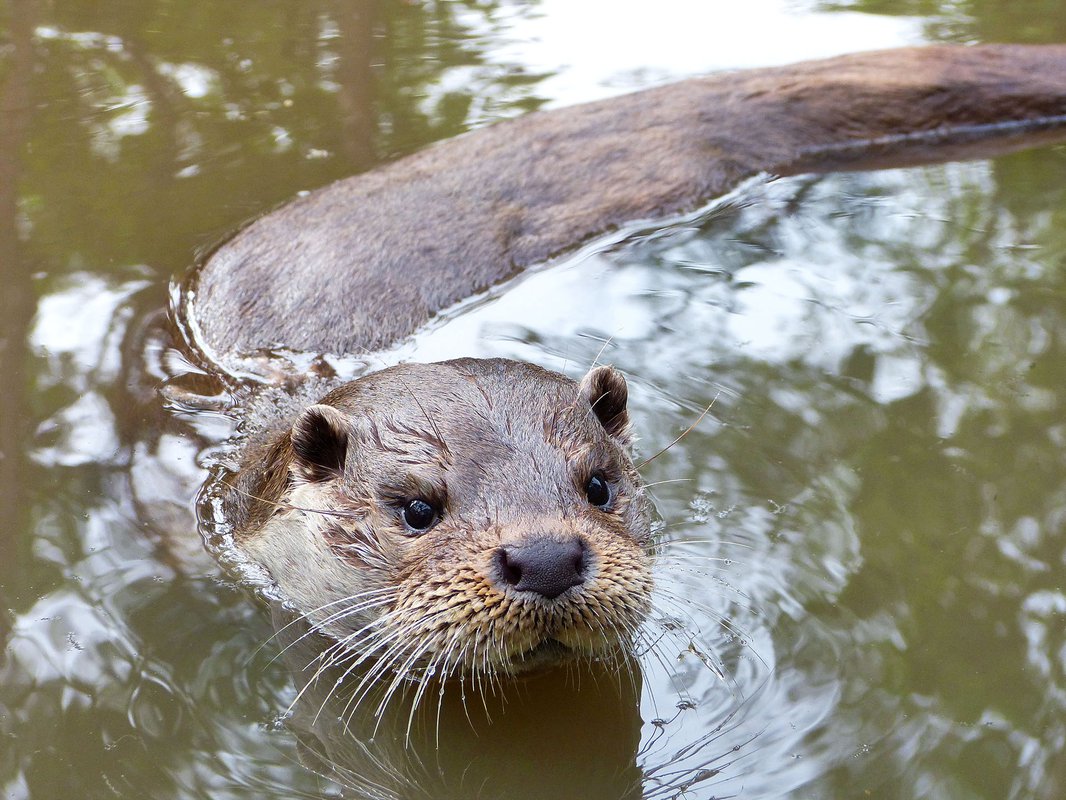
point(605, 390)
point(320, 443)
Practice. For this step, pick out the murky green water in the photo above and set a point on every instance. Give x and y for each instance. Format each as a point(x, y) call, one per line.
point(876, 501)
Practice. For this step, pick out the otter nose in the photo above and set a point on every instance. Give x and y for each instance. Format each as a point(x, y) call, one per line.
point(545, 566)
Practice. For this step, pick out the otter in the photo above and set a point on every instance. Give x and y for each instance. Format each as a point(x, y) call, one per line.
point(485, 520)
point(474, 523)
point(487, 514)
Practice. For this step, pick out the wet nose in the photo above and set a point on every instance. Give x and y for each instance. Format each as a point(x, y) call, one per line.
point(545, 566)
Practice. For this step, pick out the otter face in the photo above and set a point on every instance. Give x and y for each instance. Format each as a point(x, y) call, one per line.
point(463, 517)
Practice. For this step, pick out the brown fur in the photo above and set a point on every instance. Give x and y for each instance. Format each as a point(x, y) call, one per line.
point(363, 262)
point(505, 450)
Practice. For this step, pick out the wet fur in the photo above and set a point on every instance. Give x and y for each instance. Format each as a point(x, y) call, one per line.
point(505, 449)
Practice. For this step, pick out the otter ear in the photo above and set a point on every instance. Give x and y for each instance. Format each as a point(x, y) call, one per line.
point(605, 390)
point(320, 443)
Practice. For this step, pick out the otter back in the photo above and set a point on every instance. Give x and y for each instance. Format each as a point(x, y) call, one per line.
point(367, 260)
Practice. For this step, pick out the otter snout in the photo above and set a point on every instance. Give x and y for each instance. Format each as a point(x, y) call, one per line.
point(544, 566)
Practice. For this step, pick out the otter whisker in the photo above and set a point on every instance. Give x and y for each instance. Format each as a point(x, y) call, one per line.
point(484, 673)
point(681, 558)
point(719, 589)
point(371, 644)
point(387, 597)
point(606, 343)
point(672, 551)
point(647, 486)
point(388, 662)
point(713, 570)
point(333, 689)
point(280, 505)
point(445, 658)
point(432, 422)
point(385, 645)
point(630, 633)
point(718, 542)
point(718, 585)
point(342, 646)
point(440, 671)
point(336, 655)
point(452, 658)
point(428, 671)
point(328, 657)
point(392, 654)
point(318, 626)
point(683, 434)
point(719, 618)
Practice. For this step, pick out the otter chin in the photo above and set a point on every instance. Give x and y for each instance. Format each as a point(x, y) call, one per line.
point(459, 518)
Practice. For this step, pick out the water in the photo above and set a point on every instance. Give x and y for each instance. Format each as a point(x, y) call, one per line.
point(880, 477)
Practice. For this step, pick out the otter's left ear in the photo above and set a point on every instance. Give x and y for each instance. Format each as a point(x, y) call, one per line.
point(319, 443)
point(605, 389)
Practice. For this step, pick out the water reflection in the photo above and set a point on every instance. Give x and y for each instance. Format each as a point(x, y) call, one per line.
point(875, 503)
point(195, 119)
point(562, 733)
point(1033, 21)
point(923, 429)
point(16, 303)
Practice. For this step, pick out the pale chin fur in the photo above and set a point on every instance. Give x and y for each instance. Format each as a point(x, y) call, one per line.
point(293, 548)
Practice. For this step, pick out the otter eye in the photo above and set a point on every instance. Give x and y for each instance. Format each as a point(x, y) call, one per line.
point(418, 514)
point(597, 491)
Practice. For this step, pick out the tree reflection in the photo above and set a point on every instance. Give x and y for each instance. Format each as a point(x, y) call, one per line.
point(132, 133)
point(16, 301)
point(193, 117)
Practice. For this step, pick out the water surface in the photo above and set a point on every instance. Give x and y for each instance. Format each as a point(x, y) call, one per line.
point(875, 500)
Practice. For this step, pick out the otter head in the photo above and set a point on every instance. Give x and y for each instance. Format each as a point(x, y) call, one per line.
point(464, 516)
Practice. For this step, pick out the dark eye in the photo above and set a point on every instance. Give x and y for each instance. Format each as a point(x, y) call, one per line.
point(419, 515)
point(597, 491)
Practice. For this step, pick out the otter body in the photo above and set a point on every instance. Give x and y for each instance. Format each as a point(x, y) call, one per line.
point(362, 263)
point(474, 518)
point(486, 514)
